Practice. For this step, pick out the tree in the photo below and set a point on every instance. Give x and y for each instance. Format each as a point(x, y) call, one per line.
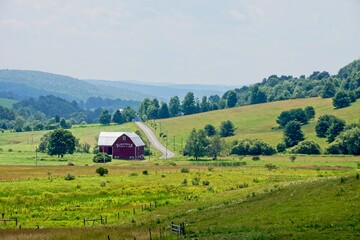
point(102, 158)
point(164, 111)
point(297, 114)
point(129, 114)
point(204, 105)
point(105, 117)
point(215, 146)
point(227, 129)
point(174, 106)
point(310, 112)
point(102, 171)
point(152, 112)
point(231, 99)
point(118, 117)
point(57, 119)
point(65, 124)
point(188, 104)
point(196, 144)
point(329, 126)
point(19, 124)
point(328, 90)
point(257, 95)
point(341, 99)
point(293, 134)
point(209, 130)
point(60, 142)
point(351, 141)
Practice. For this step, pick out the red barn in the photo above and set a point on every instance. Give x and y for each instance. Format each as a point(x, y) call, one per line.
point(121, 145)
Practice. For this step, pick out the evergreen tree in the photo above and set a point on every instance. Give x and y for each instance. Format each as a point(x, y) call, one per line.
point(188, 104)
point(174, 106)
point(164, 111)
point(105, 117)
point(118, 117)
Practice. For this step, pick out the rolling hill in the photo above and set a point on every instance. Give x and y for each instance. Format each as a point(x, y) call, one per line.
point(255, 121)
point(23, 84)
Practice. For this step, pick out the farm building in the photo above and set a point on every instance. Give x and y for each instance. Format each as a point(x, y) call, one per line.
point(121, 145)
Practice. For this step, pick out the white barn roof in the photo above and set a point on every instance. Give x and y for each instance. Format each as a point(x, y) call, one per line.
point(109, 138)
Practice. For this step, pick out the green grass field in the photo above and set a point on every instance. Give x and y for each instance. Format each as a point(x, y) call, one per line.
point(5, 102)
point(312, 197)
point(254, 121)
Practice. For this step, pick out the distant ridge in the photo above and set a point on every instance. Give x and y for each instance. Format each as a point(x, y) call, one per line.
point(23, 84)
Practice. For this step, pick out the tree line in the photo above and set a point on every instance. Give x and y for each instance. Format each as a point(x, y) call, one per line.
point(343, 87)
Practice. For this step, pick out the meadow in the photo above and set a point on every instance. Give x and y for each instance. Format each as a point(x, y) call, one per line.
point(253, 121)
point(5, 102)
point(231, 198)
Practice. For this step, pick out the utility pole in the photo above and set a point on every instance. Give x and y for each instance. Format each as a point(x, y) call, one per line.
point(36, 155)
point(174, 142)
point(149, 150)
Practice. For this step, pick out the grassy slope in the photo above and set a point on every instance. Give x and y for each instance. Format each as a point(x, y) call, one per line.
point(256, 121)
point(5, 102)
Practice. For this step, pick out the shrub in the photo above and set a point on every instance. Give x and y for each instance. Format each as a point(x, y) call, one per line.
point(133, 174)
point(102, 184)
point(184, 182)
point(102, 171)
point(297, 114)
point(307, 147)
point(292, 158)
point(101, 158)
point(69, 177)
point(145, 172)
point(255, 158)
point(185, 170)
point(270, 166)
point(206, 183)
point(335, 147)
point(252, 147)
point(281, 147)
point(243, 185)
point(195, 181)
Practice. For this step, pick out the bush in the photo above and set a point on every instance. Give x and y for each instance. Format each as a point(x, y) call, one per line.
point(185, 170)
point(292, 158)
point(101, 158)
point(195, 181)
point(255, 158)
point(307, 147)
point(252, 147)
point(297, 114)
point(329, 126)
point(69, 177)
point(206, 183)
point(335, 147)
point(102, 171)
point(145, 172)
point(281, 147)
point(270, 166)
point(133, 174)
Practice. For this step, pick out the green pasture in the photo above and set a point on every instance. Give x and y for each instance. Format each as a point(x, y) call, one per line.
point(243, 201)
point(253, 121)
point(6, 102)
point(27, 141)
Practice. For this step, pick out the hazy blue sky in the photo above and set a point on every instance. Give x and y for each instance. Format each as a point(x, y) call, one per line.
point(233, 42)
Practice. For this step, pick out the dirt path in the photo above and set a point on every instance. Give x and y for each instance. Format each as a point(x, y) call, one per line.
point(166, 153)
